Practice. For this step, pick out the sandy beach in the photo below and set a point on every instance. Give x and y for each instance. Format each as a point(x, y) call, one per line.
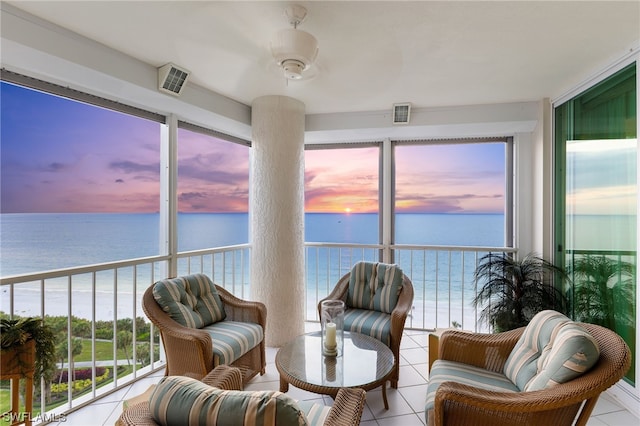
point(426, 314)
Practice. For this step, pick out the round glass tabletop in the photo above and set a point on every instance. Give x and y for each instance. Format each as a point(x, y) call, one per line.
point(365, 363)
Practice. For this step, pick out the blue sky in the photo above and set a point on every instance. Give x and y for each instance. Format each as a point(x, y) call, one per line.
point(58, 155)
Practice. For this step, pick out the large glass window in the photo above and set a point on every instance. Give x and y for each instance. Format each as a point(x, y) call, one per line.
point(213, 191)
point(80, 185)
point(72, 175)
point(341, 195)
point(597, 198)
point(450, 194)
point(341, 206)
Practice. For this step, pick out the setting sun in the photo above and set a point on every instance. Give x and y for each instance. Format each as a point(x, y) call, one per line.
point(347, 210)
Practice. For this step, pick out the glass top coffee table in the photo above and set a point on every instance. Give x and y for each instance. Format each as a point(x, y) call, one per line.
point(366, 363)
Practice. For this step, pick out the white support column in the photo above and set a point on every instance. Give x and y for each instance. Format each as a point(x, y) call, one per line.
point(387, 203)
point(168, 193)
point(277, 220)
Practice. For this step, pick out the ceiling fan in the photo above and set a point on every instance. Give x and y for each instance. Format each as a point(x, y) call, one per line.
point(294, 50)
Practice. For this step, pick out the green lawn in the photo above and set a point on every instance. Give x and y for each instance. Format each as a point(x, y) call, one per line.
point(5, 406)
point(104, 351)
point(5, 400)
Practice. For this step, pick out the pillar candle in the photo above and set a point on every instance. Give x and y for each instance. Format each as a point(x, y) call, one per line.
point(331, 335)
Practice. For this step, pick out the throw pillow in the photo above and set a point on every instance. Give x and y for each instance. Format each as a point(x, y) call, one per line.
point(374, 286)
point(573, 352)
point(179, 400)
point(192, 300)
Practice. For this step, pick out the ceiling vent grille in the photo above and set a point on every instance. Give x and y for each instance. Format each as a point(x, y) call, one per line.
point(172, 79)
point(401, 113)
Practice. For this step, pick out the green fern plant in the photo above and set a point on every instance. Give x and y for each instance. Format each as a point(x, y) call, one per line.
point(16, 332)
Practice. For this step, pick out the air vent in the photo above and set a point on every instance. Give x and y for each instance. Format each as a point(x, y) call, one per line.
point(401, 113)
point(172, 79)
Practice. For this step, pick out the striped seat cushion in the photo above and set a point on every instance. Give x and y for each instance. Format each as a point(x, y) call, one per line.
point(372, 323)
point(232, 339)
point(552, 349)
point(316, 414)
point(191, 301)
point(179, 400)
point(374, 286)
point(450, 371)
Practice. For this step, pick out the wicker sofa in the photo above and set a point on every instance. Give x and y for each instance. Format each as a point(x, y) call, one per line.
point(367, 315)
point(203, 325)
point(467, 383)
point(228, 400)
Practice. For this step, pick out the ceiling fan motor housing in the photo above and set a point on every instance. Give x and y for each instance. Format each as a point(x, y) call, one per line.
point(294, 50)
point(293, 69)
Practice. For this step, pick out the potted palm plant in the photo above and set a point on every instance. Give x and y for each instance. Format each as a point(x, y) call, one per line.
point(513, 290)
point(27, 344)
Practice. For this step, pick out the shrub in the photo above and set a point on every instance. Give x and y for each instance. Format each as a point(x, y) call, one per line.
point(81, 374)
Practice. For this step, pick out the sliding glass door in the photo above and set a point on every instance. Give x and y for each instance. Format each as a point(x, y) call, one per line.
point(596, 200)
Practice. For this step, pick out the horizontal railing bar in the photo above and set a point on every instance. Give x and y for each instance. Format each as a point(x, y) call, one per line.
point(347, 245)
point(222, 249)
point(413, 247)
point(77, 270)
point(603, 252)
point(452, 248)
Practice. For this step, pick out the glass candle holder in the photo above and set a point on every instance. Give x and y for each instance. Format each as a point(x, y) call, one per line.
point(332, 371)
point(332, 325)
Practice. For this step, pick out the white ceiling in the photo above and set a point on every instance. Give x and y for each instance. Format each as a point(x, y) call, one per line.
point(372, 54)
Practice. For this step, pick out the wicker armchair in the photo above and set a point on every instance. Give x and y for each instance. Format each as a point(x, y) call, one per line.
point(398, 316)
point(189, 351)
point(460, 404)
point(346, 410)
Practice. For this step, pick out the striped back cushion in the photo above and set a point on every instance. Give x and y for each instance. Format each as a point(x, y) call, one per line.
point(192, 301)
point(374, 286)
point(179, 400)
point(551, 350)
point(572, 353)
point(362, 284)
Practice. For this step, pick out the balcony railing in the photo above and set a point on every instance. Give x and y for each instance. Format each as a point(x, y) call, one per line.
point(97, 304)
point(442, 277)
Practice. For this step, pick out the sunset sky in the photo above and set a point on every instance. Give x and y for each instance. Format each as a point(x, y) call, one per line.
point(62, 156)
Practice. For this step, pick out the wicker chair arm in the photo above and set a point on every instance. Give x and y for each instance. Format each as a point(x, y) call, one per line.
point(242, 310)
point(488, 351)
point(136, 415)
point(347, 408)
point(403, 306)
point(193, 347)
point(457, 403)
point(224, 377)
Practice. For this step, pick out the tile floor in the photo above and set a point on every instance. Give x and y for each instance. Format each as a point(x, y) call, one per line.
point(406, 404)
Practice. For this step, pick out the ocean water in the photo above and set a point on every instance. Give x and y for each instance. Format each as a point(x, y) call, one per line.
point(36, 242)
point(42, 242)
